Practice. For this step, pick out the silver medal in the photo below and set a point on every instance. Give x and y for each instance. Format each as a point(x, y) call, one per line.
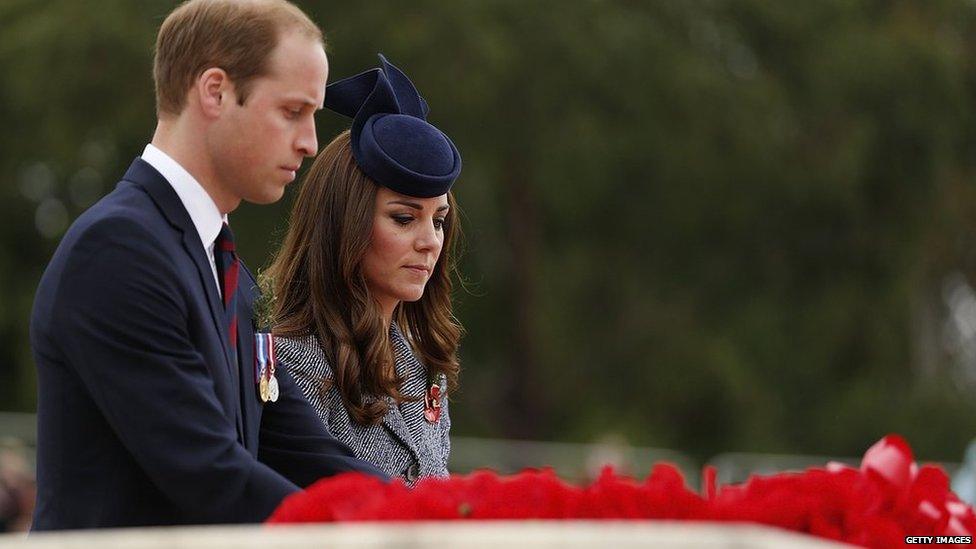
point(273, 389)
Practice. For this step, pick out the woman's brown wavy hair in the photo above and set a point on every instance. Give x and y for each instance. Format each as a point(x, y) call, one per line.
point(319, 288)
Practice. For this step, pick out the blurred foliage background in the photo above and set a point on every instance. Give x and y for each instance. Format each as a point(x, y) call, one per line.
point(706, 225)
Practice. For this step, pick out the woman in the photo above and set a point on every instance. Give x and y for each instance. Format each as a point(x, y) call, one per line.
point(361, 285)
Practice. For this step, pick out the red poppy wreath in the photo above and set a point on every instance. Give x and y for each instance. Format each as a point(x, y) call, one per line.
point(877, 505)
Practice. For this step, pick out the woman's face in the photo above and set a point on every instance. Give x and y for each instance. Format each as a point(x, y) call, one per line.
point(406, 241)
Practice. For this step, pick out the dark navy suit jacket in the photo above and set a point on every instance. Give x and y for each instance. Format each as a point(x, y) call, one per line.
point(142, 417)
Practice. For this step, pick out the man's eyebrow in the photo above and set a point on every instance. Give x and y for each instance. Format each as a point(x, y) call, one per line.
point(305, 101)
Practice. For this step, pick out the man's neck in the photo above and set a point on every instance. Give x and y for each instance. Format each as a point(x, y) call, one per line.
point(181, 143)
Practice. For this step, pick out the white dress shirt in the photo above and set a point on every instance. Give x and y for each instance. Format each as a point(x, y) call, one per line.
point(202, 209)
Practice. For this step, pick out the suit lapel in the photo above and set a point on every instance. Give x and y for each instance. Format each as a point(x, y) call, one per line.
point(169, 204)
point(246, 294)
point(191, 242)
point(193, 246)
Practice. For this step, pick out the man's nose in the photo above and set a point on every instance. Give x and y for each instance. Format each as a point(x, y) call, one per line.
point(307, 143)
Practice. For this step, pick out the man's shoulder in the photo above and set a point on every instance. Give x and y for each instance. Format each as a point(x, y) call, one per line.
point(127, 202)
point(120, 236)
point(127, 211)
point(124, 223)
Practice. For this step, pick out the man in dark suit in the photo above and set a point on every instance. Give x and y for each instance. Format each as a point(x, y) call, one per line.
point(150, 408)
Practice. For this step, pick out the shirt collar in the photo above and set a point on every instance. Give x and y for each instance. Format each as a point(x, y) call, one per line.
point(203, 211)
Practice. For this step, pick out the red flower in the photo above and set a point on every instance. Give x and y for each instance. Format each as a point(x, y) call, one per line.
point(338, 498)
point(892, 460)
point(662, 496)
point(530, 494)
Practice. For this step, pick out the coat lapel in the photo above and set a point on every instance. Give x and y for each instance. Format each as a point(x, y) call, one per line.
point(162, 193)
point(397, 425)
point(394, 419)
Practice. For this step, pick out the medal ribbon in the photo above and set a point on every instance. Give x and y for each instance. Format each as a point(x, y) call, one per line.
point(261, 355)
point(264, 367)
point(271, 357)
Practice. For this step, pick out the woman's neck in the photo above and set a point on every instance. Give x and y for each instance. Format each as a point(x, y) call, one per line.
point(386, 311)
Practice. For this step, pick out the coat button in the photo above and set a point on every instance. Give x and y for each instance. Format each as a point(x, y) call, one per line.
point(412, 473)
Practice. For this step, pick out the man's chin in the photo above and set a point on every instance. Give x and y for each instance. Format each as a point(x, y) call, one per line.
point(265, 198)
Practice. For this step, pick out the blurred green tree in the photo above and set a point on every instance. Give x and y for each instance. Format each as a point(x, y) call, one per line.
point(707, 225)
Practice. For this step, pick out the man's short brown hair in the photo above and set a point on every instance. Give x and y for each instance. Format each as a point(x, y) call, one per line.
point(234, 35)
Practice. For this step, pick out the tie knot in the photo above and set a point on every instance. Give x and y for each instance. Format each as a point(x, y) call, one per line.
point(225, 239)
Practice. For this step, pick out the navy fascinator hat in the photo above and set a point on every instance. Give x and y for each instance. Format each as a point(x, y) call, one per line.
point(391, 139)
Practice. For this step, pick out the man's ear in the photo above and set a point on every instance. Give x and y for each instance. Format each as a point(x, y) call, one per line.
point(214, 91)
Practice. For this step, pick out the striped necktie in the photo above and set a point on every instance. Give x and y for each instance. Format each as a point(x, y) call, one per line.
point(228, 266)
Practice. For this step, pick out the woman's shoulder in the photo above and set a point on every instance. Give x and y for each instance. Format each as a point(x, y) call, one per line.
point(303, 354)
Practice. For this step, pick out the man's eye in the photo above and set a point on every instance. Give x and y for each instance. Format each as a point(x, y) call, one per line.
point(293, 113)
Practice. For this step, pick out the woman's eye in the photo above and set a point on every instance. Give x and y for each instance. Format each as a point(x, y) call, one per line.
point(439, 223)
point(402, 219)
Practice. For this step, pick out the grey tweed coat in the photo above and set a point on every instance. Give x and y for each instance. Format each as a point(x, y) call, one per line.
point(404, 445)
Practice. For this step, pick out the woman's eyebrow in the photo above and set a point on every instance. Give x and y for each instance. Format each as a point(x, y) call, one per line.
point(413, 205)
point(416, 206)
